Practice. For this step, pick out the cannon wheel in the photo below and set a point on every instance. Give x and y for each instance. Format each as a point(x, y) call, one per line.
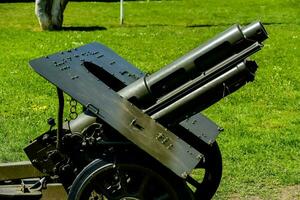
point(212, 166)
point(127, 181)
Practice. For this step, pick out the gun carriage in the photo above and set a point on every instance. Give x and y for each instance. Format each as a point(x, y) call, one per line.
point(139, 136)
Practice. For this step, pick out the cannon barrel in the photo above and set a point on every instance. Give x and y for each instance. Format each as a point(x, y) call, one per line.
point(207, 94)
point(189, 92)
point(145, 92)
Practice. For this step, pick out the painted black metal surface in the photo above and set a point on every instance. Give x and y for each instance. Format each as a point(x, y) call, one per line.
point(68, 71)
point(202, 127)
point(99, 55)
point(103, 57)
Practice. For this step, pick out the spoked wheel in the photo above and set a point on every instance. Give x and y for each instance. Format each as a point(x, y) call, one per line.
point(208, 173)
point(126, 181)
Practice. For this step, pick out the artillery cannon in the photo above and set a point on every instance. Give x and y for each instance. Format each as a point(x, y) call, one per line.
point(139, 136)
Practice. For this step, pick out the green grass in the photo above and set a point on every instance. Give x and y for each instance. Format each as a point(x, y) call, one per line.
point(261, 142)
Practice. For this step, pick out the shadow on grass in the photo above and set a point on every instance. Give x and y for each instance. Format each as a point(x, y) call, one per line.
point(84, 28)
point(228, 24)
point(101, 28)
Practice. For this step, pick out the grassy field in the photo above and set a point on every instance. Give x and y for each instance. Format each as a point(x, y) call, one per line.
point(261, 142)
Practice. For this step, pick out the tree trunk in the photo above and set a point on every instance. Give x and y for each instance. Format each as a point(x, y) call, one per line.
point(50, 13)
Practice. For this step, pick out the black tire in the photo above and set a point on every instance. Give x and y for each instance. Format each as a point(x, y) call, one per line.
point(138, 182)
point(212, 164)
point(77, 189)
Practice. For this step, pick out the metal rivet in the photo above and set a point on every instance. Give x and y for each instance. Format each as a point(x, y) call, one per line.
point(184, 174)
